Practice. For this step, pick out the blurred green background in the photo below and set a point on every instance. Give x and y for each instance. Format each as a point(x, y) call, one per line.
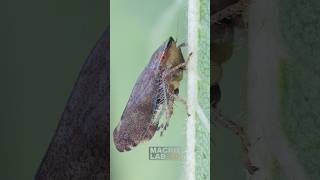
point(43, 45)
point(138, 28)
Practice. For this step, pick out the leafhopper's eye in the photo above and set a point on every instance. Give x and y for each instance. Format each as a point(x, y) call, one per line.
point(176, 91)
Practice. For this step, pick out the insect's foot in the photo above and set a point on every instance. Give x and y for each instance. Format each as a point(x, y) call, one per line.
point(161, 133)
point(165, 127)
point(182, 45)
point(160, 127)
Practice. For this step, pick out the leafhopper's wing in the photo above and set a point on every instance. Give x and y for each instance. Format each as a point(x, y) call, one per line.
point(80, 145)
point(136, 122)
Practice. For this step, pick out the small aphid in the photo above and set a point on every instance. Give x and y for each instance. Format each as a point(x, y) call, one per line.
point(152, 97)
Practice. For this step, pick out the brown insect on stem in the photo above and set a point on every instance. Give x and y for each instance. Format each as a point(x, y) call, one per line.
point(152, 97)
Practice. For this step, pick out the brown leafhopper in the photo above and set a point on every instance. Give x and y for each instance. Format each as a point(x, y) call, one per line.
point(152, 97)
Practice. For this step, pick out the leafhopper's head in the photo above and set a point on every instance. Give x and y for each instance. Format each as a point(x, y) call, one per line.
point(168, 54)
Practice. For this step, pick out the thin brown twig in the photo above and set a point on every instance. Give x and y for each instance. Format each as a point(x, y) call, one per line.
point(239, 131)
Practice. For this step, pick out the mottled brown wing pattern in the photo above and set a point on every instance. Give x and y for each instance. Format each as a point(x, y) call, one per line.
point(149, 99)
point(136, 121)
point(79, 147)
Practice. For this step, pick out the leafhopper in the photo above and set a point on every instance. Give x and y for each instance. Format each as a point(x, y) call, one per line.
point(152, 97)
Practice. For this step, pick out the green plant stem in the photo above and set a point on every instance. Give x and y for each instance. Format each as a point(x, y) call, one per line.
point(193, 26)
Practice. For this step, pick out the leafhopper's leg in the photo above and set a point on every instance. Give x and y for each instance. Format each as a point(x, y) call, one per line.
point(168, 109)
point(183, 101)
point(170, 96)
point(182, 45)
point(168, 114)
point(160, 127)
point(180, 99)
point(177, 67)
point(165, 121)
